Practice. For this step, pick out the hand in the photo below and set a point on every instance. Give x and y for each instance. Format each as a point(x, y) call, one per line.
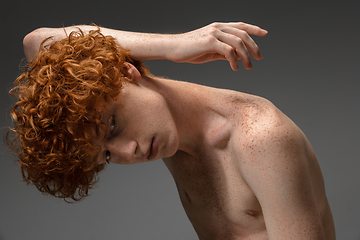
point(229, 41)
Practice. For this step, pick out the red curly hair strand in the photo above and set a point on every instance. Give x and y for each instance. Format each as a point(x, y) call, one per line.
point(57, 94)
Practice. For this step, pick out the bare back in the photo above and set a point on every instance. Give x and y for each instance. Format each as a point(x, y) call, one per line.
point(214, 184)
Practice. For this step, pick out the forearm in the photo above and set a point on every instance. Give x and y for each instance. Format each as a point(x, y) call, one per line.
point(225, 41)
point(142, 46)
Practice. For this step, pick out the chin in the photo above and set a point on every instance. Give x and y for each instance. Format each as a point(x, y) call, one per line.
point(171, 147)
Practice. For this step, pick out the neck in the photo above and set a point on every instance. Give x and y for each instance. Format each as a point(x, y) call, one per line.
point(195, 109)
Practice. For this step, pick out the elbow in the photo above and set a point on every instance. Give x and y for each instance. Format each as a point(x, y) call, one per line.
point(28, 44)
point(31, 43)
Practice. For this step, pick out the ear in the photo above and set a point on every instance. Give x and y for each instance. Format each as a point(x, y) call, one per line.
point(131, 72)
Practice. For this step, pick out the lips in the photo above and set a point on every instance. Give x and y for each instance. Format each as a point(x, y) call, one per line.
point(153, 150)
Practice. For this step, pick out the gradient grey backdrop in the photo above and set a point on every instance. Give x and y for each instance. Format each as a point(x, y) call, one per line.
point(310, 71)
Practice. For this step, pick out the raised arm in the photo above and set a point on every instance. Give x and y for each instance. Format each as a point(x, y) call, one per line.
point(229, 41)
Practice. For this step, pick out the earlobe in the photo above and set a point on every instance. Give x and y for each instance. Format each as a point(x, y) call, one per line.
point(132, 73)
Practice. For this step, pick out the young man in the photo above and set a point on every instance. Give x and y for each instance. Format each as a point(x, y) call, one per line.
point(242, 168)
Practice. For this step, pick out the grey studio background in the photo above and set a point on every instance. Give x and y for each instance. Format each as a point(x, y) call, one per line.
point(310, 71)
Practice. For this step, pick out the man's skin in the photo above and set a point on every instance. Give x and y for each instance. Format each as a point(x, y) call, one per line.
point(242, 168)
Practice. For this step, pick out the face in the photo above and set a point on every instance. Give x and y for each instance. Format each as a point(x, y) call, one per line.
point(139, 127)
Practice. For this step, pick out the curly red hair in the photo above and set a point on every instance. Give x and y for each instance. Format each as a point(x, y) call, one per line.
point(57, 94)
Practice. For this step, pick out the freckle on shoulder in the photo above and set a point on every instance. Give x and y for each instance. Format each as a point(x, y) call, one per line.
point(258, 115)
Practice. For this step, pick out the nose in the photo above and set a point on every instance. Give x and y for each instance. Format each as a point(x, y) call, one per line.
point(121, 149)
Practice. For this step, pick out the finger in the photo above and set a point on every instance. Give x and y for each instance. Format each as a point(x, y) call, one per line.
point(228, 52)
point(248, 41)
point(238, 45)
point(249, 28)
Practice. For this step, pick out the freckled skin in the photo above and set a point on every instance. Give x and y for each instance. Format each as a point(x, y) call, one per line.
point(243, 169)
point(250, 172)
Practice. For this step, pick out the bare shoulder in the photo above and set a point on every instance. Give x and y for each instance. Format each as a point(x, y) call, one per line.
point(261, 125)
point(278, 163)
point(271, 148)
point(265, 136)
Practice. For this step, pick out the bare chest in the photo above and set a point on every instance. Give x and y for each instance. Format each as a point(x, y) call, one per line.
point(214, 194)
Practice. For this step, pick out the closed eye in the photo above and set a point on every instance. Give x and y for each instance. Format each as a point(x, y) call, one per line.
point(107, 152)
point(107, 156)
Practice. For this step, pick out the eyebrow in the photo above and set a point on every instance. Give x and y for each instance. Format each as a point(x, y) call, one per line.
point(97, 141)
point(99, 125)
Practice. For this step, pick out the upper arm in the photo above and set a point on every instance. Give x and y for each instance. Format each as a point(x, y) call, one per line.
point(33, 40)
point(275, 164)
